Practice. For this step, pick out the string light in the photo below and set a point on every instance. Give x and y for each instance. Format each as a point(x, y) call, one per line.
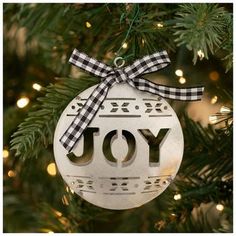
point(11, 173)
point(22, 102)
point(219, 207)
point(160, 224)
point(224, 109)
point(36, 86)
point(177, 197)
point(64, 200)
point(179, 72)
point(69, 189)
point(160, 25)
point(143, 42)
point(200, 53)
point(226, 177)
point(182, 80)
point(172, 216)
point(71, 32)
point(88, 24)
point(51, 169)
point(230, 122)
point(214, 99)
point(214, 76)
point(58, 213)
point(213, 119)
point(5, 153)
point(125, 45)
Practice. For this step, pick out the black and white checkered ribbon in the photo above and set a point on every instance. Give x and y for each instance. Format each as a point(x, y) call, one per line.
point(130, 74)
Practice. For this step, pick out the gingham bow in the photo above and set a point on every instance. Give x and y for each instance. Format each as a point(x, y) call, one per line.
point(110, 76)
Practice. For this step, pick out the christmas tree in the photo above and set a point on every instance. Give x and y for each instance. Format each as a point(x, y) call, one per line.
point(39, 83)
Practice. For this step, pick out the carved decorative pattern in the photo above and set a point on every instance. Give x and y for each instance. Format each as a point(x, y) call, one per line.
point(119, 185)
point(118, 106)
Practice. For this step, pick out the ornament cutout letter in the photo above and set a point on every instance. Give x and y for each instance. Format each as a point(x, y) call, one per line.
point(154, 144)
point(87, 155)
point(106, 147)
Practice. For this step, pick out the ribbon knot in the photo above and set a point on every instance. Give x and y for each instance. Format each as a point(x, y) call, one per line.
point(131, 75)
point(120, 75)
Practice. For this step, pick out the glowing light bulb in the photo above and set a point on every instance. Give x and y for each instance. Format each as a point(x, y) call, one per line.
point(58, 213)
point(179, 72)
point(160, 25)
point(143, 42)
point(214, 100)
point(22, 102)
point(5, 153)
point(182, 80)
point(230, 122)
point(224, 109)
point(125, 45)
point(88, 24)
point(177, 197)
point(213, 119)
point(200, 53)
point(36, 86)
point(51, 169)
point(214, 76)
point(220, 207)
point(71, 32)
point(11, 173)
point(65, 201)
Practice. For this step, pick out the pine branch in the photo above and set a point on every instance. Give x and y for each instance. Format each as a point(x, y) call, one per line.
point(12, 117)
point(36, 132)
point(212, 152)
point(200, 27)
point(227, 42)
point(205, 27)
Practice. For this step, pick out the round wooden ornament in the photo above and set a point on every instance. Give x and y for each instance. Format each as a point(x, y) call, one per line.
point(128, 155)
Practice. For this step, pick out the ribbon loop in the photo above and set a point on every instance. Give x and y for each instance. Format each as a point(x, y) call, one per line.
point(148, 64)
point(131, 75)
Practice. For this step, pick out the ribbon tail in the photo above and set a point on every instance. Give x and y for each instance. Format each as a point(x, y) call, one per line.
point(84, 117)
point(176, 93)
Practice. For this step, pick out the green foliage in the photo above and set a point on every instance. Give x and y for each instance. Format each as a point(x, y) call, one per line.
point(147, 27)
point(12, 117)
point(202, 27)
point(33, 199)
point(227, 42)
point(36, 132)
point(218, 143)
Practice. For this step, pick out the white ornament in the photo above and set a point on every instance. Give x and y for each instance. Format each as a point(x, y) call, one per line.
point(132, 150)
